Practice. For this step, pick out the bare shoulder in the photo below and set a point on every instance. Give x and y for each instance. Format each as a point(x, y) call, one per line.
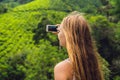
point(63, 71)
point(63, 64)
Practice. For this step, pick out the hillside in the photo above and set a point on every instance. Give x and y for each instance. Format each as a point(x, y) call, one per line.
point(24, 43)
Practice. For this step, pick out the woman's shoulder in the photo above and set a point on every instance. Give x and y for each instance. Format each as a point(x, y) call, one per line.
point(63, 64)
point(63, 69)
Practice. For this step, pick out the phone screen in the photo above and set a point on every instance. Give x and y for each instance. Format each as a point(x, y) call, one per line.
point(51, 28)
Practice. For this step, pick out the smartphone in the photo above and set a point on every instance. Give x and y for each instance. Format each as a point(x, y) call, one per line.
point(51, 28)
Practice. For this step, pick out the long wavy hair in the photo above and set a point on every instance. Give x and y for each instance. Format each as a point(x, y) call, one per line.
point(80, 48)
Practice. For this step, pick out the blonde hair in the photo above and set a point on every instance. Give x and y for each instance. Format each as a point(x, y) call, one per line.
point(80, 48)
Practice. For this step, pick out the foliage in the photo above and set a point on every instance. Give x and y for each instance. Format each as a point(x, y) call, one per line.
point(40, 63)
point(19, 1)
point(34, 5)
point(116, 4)
point(107, 38)
point(110, 9)
point(76, 5)
point(21, 49)
point(12, 67)
point(106, 72)
point(102, 31)
point(117, 78)
point(6, 5)
point(3, 8)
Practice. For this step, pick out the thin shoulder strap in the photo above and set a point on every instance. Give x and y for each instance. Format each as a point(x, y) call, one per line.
point(68, 60)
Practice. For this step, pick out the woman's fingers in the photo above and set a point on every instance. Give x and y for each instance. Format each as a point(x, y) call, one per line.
point(55, 33)
point(58, 25)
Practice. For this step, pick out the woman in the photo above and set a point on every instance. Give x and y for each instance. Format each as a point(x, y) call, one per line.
point(82, 64)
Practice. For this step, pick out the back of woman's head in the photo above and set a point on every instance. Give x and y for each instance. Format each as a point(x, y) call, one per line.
point(80, 49)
